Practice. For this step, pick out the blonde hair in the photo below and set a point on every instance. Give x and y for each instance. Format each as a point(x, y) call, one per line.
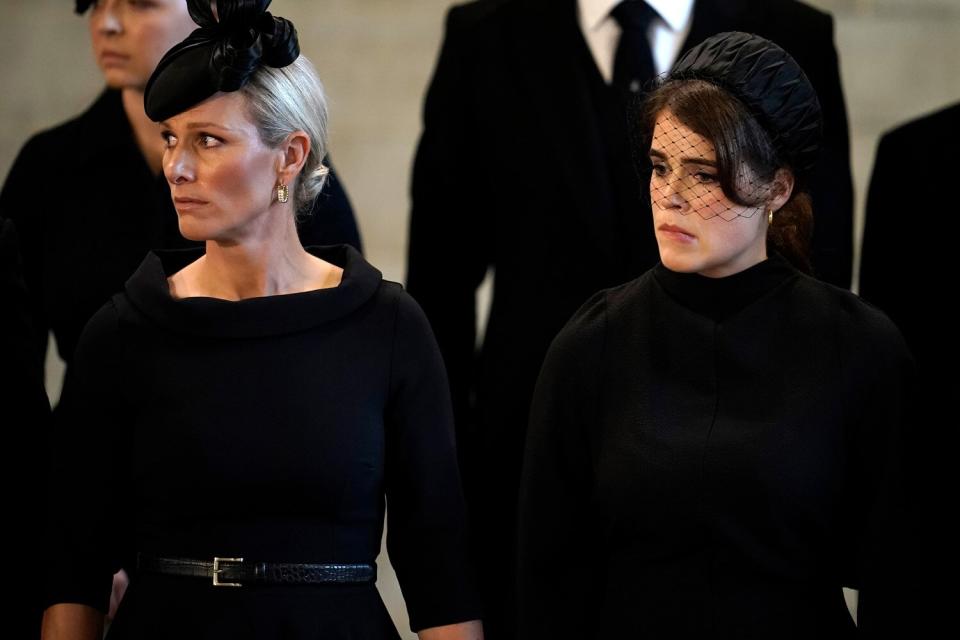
point(291, 98)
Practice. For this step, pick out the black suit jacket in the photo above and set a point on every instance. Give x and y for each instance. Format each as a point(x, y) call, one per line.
point(895, 248)
point(509, 176)
point(907, 269)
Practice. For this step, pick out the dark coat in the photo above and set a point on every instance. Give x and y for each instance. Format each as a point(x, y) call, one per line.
point(511, 175)
point(907, 269)
point(84, 199)
point(906, 156)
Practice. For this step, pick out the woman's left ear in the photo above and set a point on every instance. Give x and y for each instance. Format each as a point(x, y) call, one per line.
point(781, 189)
point(294, 151)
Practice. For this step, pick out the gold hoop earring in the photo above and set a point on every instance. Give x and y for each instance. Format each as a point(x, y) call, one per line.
point(770, 217)
point(283, 194)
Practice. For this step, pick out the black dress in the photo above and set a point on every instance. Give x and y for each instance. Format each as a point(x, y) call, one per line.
point(716, 458)
point(84, 200)
point(269, 429)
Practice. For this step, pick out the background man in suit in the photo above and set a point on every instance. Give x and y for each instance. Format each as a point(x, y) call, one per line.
point(907, 269)
point(524, 168)
point(902, 154)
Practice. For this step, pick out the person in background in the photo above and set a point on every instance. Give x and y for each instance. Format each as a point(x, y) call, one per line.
point(715, 447)
point(907, 275)
point(929, 333)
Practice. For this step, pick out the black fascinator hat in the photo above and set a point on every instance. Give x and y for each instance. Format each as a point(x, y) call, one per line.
point(220, 55)
point(769, 82)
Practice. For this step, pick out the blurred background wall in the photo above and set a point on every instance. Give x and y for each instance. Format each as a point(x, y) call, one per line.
point(899, 59)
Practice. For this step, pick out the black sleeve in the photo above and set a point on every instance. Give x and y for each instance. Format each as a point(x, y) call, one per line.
point(928, 465)
point(22, 201)
point(331, 219)
point(832, 184)
point(556, 584)
point(451, 222)
point(86, 479)
point(426, 529)
point(22, 366)
point(881, 272)
point(889, 253)
point(883, 380)
point(25, 415)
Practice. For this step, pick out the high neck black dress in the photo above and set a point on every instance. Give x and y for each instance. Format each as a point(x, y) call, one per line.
point(715, 458)
point(271, 429)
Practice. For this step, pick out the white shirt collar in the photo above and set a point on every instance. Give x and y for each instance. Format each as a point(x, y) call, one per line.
point(594, 12)
point(676, 13)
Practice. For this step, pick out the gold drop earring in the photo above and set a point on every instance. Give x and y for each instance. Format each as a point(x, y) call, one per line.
point(283, 194)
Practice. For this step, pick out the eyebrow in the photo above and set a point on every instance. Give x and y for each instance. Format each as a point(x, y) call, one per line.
point(684, 159)
point(199, 125)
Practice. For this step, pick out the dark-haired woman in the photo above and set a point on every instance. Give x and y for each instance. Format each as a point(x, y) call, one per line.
point(713, 446)
point(238, 416)
point(108, 203)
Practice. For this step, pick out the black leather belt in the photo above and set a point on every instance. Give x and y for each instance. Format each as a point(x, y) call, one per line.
point(234, 572)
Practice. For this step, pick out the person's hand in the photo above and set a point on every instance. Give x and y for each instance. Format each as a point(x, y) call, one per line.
point(472, 630)
point(120, 583)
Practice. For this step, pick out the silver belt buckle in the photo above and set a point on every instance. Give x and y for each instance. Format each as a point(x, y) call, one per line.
point(217, 570)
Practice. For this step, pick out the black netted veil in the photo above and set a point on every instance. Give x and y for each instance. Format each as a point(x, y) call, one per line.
point(776, 106)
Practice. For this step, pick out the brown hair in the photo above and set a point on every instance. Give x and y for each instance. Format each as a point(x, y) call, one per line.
point(739, 140)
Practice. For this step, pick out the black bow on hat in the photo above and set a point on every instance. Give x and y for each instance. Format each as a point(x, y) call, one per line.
point(219, 56)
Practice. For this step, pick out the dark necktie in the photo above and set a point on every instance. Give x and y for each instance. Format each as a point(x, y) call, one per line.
point(633, 65)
